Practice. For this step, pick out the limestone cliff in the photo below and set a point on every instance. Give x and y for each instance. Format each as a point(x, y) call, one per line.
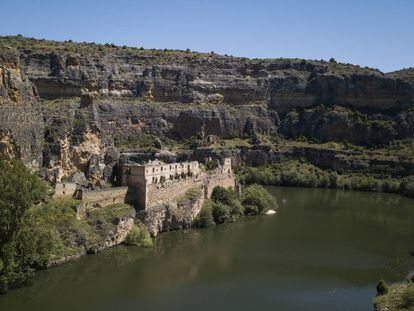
point(78, 98)
point(21, 123)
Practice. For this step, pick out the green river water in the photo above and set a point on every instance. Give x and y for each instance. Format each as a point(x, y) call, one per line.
point(324, 250)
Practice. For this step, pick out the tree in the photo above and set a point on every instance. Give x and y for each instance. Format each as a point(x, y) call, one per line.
point(257, 199)
point(19, 190)
point(223, 195)
point(382, 288)
point(205, 217)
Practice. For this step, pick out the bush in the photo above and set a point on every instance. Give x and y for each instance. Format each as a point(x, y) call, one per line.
point(382, 288)
point(221, 213)
point(211, 165)
point(223, 195)
point(205, 216)
point(237, 209)
point(251, 209)
point(259, 197)
point(138, 235)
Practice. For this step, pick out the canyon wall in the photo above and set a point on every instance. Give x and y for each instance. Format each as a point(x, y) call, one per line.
point(63, 104)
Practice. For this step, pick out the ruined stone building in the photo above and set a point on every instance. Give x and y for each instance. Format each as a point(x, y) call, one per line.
point(155, 183)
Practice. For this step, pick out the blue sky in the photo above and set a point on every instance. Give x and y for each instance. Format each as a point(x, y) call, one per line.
point(376, 33)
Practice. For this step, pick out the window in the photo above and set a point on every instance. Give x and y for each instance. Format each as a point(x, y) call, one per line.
point(153, 169)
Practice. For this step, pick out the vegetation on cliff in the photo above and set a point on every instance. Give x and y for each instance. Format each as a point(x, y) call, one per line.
point(224, 206)
point(139, 235)
point(70, 236)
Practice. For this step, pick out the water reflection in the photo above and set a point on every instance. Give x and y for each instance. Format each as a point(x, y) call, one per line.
point(325, 250)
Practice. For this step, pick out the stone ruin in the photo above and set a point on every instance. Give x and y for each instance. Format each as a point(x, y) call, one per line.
point(154, 183)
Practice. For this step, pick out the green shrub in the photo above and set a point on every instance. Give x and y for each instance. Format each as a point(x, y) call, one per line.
point(205, 216)
point(251, 209)
point(211, 165)
point(382, 288)
point(237, 209)
point(221, 213)
point(258, 196)
point(138, 235)
point(223, 195)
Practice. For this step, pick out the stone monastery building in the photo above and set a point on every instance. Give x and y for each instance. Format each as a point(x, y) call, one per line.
point(149, 185)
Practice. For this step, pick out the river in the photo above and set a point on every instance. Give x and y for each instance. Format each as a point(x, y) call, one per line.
point(324, 250)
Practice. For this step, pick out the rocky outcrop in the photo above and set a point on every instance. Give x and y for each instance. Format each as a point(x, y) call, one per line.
point(174, 76)
point(21, 122)
point(177, 214)
point(221, 95)
point(77, 142)
point(125, 119)
point(123, 93)
point(342, 124)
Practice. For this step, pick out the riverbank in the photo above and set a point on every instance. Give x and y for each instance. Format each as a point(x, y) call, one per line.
point(295, 173)
point(397, 297)
point(67, 236)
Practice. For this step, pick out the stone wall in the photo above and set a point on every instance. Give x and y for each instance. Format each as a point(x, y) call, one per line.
point(162, 193)
point(104, 197)
point(225, 180)
point(170, 216)
point(64, 190)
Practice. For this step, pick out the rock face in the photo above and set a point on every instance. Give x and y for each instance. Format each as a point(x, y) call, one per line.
point(170, 216)
point(123, 93)
point(76, 142)
point(21, 123)
point(202, 78)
